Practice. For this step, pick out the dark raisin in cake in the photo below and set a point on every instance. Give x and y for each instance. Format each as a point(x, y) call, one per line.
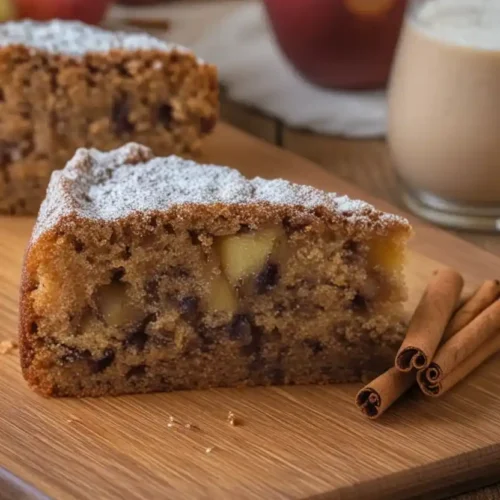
point(156, 274)
point(65, 85)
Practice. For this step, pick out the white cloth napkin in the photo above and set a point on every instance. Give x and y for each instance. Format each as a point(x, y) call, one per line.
point(255, 72)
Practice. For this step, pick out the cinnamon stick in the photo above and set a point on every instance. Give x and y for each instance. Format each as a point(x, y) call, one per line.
point(382, 392)
point(429, 321)
point(483, 297)
point(485, 351)
point(462, 345)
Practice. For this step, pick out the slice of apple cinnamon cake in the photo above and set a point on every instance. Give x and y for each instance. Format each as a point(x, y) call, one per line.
point(156, 274)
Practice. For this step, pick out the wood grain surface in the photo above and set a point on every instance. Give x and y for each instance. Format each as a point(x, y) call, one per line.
point(295, 442)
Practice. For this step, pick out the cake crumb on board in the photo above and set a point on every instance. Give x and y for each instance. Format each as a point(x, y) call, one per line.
point(232, 419)
point(7, 346)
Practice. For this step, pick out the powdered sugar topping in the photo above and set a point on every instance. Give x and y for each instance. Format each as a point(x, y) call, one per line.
point(110, 186)
point(76, 38)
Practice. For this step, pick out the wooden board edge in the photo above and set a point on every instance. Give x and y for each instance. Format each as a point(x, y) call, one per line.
point(12, 487)
point(451, 476)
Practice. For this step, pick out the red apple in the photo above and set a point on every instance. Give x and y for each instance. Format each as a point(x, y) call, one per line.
point(339, 43)
point(88, 11)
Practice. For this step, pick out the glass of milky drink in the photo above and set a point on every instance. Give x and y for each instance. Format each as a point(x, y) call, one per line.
point(444, 112)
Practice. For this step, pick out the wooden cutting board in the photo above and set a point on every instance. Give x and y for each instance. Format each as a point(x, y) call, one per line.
point(296, 442)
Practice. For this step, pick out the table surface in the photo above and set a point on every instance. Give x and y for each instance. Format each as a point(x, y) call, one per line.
point(365, 163)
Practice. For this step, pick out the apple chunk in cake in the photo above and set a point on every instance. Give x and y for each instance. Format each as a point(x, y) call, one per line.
point(156, 274)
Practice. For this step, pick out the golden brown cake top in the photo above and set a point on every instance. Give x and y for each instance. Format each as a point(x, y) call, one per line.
point(77, 39)
point(111, 186)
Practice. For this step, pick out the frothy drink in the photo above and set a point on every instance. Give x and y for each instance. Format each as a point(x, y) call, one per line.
point(444, 118)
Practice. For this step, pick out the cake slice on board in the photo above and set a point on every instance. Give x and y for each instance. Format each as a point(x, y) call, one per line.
point(157, 274)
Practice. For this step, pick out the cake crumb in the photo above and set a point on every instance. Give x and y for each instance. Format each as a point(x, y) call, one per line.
point(171, 421)
point(72, 419)
point(232, 419)
point(7, 346)
point(191, 426)
point(209, 450)
point(157, 65)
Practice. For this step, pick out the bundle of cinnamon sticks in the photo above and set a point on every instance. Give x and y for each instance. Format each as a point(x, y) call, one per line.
point(445, 341)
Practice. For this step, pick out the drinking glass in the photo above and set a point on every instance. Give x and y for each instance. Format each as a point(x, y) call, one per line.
point(444, 112)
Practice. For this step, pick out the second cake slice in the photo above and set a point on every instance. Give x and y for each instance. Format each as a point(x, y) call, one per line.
point(156, 274)
point(66, 85)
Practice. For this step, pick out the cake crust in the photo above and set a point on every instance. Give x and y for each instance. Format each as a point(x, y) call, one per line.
point(129, 194)
point(115, 185)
